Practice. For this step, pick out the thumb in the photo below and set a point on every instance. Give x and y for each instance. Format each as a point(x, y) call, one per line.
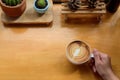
point(94, 69)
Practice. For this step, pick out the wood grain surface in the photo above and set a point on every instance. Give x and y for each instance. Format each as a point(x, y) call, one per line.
point(37, 52)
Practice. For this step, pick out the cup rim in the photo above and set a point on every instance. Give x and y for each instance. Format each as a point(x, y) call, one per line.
point(71, 60)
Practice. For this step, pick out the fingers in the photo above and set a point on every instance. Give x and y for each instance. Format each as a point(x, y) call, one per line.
point(96, 55)
point(94, 69)
point(100, 57)
point(104, 57)
point(92, 65)
point(96, 59)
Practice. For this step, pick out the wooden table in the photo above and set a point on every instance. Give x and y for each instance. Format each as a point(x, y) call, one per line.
point(35, 52)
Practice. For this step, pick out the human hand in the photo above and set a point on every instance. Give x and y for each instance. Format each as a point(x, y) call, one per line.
point(102, 65)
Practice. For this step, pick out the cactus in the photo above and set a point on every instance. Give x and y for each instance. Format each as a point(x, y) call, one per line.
point(41, 3)
point(12, 2)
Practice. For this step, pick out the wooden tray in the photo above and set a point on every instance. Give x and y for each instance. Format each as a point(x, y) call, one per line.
point(100, 9)
point(30, 16)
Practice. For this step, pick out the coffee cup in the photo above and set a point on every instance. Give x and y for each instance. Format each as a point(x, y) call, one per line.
point(78, 52)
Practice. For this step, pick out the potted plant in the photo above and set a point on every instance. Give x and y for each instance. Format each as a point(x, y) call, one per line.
point(92, 3)
point(41, 6)
point(13, 8)
point(74, 5)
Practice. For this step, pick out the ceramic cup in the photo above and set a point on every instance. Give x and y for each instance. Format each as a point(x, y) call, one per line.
point(78, 52)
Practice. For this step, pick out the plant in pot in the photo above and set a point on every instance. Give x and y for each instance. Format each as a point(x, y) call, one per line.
point(92, 3)
point(41, 6)
point(74, 5)
point(13, 8)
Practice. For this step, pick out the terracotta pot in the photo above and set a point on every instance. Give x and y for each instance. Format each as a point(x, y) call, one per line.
point(13, 11)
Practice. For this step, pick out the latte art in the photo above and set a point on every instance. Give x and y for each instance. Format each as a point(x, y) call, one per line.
point(78, 52)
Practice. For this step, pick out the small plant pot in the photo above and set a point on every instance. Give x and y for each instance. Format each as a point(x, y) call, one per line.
point(41, 10)
point(13, 11)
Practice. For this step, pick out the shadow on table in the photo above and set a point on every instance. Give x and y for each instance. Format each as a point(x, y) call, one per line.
point(21, 28)
point(86, 21)
point(28, 25)
point(82, 20)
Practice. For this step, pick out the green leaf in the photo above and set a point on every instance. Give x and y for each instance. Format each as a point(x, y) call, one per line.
point(7, 2)
point(14, 2)
point(18, 1)
point(10, 3)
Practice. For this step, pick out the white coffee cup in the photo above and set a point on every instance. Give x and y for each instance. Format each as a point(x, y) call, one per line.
point(78, 52)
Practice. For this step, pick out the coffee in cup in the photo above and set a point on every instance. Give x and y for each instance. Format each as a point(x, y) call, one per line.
point(78, 52)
